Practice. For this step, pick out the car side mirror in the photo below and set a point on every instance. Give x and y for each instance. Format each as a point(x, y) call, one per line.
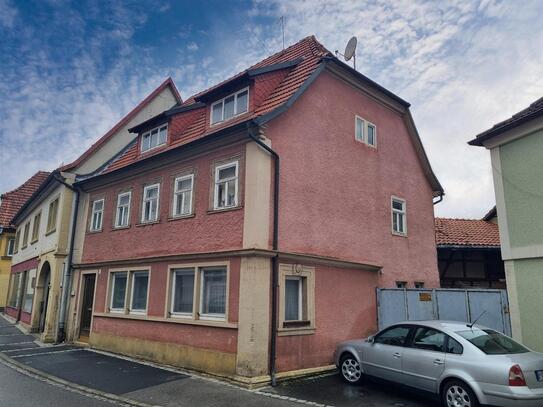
point(370, 339)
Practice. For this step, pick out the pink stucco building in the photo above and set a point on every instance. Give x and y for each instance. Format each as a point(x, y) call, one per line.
point(244, 231)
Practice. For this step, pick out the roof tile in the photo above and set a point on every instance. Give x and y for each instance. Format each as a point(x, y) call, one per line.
point(12, 201)
point(466, 232)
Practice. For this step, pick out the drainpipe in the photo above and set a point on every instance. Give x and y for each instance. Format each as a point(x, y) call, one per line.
point(439, 200)
point(66, 281)
point(275, 262)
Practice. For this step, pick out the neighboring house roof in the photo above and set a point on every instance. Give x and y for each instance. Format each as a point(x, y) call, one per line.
point(531, 112)
point(12, 201)
point(466, 232)
point(290, 72)
point(106, 137)
point(491, 214)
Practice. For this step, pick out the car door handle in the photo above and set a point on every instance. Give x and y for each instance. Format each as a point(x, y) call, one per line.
point(396, 355)
point(438, 362)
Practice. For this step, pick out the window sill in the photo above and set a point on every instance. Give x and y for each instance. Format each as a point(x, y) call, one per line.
point(180, 217)
point(171, 320)
point(92, 232)
point(6, 257)
point(153, 222)
point(34, 241)
point(308, 330)
point(232, 208)
point(114, 228)
point(399, 234)
point(49, 232)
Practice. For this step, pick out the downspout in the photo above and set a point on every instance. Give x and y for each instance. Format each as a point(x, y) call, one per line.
point(275, 262)
point(66, 286)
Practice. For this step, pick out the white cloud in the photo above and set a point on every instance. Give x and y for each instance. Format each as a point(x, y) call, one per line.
point(8, 13)
point(463, 66)
point(192, 46)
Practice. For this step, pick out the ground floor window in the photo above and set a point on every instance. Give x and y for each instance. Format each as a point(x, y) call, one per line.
point(128, 291)
point(207, 283)
point(297, 299)
point(14, 299)
point(28, 296)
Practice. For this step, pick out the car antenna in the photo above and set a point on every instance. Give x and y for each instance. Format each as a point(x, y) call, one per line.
point(476, 319)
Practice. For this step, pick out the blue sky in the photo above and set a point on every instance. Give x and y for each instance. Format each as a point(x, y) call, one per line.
point(70, 70)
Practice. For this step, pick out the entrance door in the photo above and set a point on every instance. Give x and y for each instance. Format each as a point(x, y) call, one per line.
point(86, 306)
point(45, 301)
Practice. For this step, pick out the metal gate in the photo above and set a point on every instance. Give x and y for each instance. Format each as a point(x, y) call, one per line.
point(399, 304)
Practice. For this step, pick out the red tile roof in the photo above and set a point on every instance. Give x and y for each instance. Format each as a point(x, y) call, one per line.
point(121, 123)
point(310, 53)
point(12, 201)
point(466, 232)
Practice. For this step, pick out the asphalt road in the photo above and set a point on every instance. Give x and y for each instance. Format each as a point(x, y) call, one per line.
point(19, 390)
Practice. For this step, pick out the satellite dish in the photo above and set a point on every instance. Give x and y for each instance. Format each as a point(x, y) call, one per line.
point(350, 49)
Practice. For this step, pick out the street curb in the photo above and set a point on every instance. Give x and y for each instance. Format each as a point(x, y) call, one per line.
point(77, 388)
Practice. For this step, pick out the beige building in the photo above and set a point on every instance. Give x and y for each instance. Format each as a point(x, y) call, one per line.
point(45, 227)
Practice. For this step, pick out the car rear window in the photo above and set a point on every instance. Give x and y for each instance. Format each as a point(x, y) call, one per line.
point(492, 342)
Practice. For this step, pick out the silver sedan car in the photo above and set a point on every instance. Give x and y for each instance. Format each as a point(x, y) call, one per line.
point(465, 365)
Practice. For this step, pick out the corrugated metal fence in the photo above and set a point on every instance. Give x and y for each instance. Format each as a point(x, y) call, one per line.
point(399, 304)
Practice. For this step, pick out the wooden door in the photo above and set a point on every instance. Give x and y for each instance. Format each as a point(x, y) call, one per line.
point(86, 306)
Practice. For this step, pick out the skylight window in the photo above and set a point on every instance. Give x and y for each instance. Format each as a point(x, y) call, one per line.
point(230, 106)
point(154, 137)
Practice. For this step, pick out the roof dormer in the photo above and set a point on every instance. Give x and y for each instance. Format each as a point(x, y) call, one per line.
point(230, 106)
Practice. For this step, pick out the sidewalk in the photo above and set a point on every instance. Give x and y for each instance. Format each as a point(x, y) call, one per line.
point(123, 380)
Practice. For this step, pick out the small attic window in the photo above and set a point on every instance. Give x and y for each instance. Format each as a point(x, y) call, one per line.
point(230, 106)
point(154, 137)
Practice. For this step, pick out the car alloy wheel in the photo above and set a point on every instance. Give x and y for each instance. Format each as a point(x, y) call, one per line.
point(350, 369)
point(457, 396)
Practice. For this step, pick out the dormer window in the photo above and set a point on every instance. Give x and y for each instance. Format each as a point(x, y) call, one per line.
point(154, 137)
point(230, 106)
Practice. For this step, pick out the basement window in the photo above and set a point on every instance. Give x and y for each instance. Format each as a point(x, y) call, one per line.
point(230, 106)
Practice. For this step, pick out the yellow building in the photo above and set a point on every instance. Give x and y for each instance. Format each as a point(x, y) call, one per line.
point(10, 203)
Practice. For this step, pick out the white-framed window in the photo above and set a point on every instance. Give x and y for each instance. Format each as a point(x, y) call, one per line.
point(359, 125)
point(294, 298)
point(365, 131)
point(182, 195)
point(138, 292)
point(226, 185)
point(25, 234)
point(118, 291)
point(97, 215)
point(149, 209)
point(10, 247)
point(372, 135)
point(399, 216)
point(154, 137)
point(36, 228)
point(182, 295)
point(230, 106)
point(122, 214)
point(213, 293)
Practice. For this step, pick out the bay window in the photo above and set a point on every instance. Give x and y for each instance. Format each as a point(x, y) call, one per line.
point(149, 212)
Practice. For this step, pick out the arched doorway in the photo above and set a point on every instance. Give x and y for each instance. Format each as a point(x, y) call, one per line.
point(43, 284)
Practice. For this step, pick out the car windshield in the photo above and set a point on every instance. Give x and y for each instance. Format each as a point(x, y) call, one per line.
point(492, 342)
